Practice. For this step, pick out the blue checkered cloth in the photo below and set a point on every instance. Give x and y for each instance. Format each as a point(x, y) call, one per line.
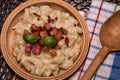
point(110, 69)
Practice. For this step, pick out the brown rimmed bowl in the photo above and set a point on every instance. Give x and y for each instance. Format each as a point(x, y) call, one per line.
point(7, 39)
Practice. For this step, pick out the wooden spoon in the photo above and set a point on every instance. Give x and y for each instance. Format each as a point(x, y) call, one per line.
point(110, 40)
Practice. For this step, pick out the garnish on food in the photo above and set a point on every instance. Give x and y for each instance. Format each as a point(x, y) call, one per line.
point(43, 38)
point(48, 41)
point(30, 38)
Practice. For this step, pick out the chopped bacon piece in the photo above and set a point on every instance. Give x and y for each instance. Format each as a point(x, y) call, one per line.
point(50, 20)
point(47, 26)
point(63, 31)
point(67, 41)
point(36, 48)
point(54, 31)
point(37, 33)
point(35, 28)
point(56, 18)
point(53, 53)
point(45, 49)
point(48, 17)
point(43, 33)
point(59, 35)
point(35, 14)
point(26, 31)
point(42, 28)
point(28, 48)
point(57, 47)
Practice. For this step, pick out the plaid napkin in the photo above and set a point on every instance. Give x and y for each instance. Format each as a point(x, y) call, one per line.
point(110, 69)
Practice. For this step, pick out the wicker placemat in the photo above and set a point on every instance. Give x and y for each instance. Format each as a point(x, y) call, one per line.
point(6, 6)
point(114, 1)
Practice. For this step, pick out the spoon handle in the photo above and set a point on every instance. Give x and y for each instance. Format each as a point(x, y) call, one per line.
point(95, 63)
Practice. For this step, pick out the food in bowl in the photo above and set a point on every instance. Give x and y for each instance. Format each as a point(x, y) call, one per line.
point(46, 40)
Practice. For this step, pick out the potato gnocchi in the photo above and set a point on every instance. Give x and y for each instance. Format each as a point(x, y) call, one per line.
point(44, 64)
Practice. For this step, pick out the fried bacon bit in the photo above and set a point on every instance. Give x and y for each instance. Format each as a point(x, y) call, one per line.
point(28, 48)
point(42, 28)
point(26, 31)
point(36, 48)
point(37, 33)
point(37, 15)
point(53, 53)
point(59, 35)
point(45, 49)
point(50, 20)
point(54, 31)
point(35, 28)
point(63, 31)
point(57, 47)
point(43, 33)
point(47, 26)
point(56, 18)
point(48, 17)
point(67, 41)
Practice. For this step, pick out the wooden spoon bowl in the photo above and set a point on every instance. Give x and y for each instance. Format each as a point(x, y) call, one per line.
point(7, 39)
point(110, 32)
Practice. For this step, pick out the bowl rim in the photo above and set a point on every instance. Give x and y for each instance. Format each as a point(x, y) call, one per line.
point(25, 74)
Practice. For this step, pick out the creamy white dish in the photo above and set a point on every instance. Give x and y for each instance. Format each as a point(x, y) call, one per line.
point(46, 40)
